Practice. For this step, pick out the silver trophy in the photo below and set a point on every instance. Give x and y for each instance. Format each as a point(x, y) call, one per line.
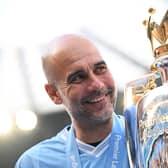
point(146, 105)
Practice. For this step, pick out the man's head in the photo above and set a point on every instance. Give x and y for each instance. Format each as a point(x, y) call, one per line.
point(79, 79)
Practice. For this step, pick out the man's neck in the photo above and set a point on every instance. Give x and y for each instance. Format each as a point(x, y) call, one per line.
point(90, 134)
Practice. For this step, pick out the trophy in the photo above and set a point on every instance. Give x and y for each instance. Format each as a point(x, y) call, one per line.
point(146, 104)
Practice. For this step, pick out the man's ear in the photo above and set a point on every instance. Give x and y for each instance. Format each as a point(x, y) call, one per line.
point(53, 93)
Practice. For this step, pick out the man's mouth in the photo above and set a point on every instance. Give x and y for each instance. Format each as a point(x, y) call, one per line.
point(96, 100)
point(96, 97)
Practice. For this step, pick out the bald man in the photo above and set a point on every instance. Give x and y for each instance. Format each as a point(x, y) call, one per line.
point(79, 78)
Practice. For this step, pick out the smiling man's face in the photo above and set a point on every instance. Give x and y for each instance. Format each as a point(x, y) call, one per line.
point(84, 82)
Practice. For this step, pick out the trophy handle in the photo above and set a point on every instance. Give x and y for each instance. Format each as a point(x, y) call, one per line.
point(136, 89)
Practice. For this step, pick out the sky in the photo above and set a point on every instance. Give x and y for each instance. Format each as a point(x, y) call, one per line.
point(31, 22)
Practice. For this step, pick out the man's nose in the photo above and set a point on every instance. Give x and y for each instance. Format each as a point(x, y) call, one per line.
point(95, 82)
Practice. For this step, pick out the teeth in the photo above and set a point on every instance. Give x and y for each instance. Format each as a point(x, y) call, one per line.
point(96, 100)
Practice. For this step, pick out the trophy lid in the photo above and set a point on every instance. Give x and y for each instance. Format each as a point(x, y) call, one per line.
point(158, 34)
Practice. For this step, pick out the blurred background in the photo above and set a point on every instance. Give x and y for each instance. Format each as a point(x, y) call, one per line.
point(27, 115)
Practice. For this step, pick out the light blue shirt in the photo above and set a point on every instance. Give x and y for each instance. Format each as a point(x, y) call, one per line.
point(62, 151)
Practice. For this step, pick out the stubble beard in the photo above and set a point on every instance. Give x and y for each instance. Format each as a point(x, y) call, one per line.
point(88, 117)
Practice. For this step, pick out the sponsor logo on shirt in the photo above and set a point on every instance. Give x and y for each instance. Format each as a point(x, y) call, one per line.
point(74, 162)
point(116, 151)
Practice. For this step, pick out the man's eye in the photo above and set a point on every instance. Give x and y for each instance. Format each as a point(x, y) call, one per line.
point(77, 78)
point(100, 69)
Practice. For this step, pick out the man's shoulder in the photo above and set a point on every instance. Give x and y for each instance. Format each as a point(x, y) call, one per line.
point(118, 117)
point(46, 150)
point(119, 121)
point(53, 143)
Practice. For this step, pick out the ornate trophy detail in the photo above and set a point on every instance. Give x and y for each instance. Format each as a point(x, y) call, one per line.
point(146, 105)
